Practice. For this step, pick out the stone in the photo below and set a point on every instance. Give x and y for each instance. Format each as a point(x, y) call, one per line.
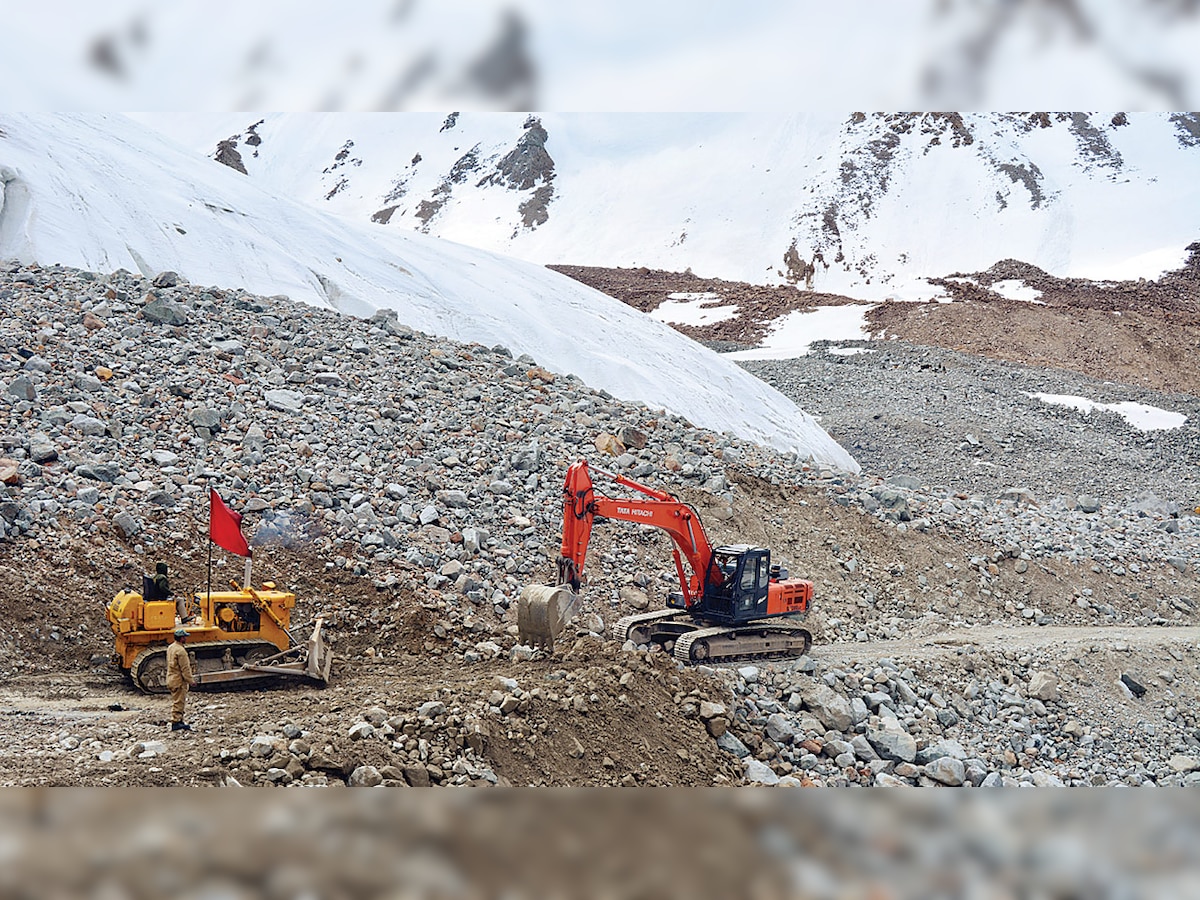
point(365, 776)
point(1183, 764)
point(759, 773)
point(634, 598)
point(608, 443)
point(89, 425)
point(416, 775)
point(42, 449)
point(166, 279)
point(474, 538)
point(282, 400)
point(431, 709)
point(22, 388)
point(1043, 686)
point(127, 524)
point(709, 710)
point(729, 742)
point(632, 437)
point(165, 312)
point(203, 417)
point(830, 707)
point(262, 746)
point(780, 729)
point(892, 742)
point(947, 770)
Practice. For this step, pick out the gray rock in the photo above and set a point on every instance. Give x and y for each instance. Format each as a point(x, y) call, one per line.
point(89, 383)
point(282, 400)
point(454, 499)
point(166, 279)
point(780, 729)
point(429, 515)
point(22, 388)
point(365, 776)
point(748, 674)
point(127, 524)
point(635, 598)
point(759, 773)
point(262, 746)
point(165, 312)
point(947, 770)
point(827, 705)
point(730, 744)
point(1043, 686)
point(862, 748)
point(42, 449)
point(203, 417)
point(106, 472)
point(89, 425)
point(431, 710)
point(474, 538)
point(892, 742)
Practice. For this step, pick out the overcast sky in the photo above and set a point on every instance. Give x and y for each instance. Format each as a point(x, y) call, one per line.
point(620, 55)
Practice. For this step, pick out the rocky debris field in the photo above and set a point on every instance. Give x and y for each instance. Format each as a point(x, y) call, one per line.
point(976, 426)
point(407, 487)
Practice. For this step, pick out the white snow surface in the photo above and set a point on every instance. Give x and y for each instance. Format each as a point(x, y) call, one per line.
point(102, 192)
point(793, 334)
point(727, 194)
point(693, 309)
point(1138, 415)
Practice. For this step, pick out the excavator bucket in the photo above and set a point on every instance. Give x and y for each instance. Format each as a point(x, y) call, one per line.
point(543, 611)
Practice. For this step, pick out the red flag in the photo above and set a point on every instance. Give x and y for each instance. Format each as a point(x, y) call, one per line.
point(225, 526)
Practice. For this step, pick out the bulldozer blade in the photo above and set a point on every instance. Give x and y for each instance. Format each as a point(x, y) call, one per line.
point(542, 613)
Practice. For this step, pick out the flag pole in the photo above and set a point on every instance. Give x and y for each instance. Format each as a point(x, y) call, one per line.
point(210, 540)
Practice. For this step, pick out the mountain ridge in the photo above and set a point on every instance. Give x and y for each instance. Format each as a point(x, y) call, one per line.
point(870, 205)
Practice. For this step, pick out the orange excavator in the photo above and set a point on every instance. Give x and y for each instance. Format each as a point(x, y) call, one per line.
point(732, 603)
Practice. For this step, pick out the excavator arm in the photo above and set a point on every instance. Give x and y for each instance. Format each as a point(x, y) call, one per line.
point(582, 505)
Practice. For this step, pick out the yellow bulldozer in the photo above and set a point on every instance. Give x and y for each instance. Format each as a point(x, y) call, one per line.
point(236, 635)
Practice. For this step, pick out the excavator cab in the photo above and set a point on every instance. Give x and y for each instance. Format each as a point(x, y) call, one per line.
point(737, 585)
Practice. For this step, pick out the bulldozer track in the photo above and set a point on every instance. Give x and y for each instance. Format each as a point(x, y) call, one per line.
point(149, 668)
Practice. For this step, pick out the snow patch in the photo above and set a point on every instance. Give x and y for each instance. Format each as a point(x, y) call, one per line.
point(1016, 289)
point(693, 309)
point(1138, 415)
point(792, 335)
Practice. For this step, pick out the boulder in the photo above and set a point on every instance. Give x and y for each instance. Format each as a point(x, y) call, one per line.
point(165, 312)
point(892, 742)
point(1043, 686)
point(830, 707)
point(365, 776)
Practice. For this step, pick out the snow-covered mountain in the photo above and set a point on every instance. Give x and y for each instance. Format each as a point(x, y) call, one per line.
point(865, 205)
point(101, 192)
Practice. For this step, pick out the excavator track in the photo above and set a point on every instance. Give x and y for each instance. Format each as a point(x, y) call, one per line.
point(761, 639)
point(149, 668)
point(641, 628)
